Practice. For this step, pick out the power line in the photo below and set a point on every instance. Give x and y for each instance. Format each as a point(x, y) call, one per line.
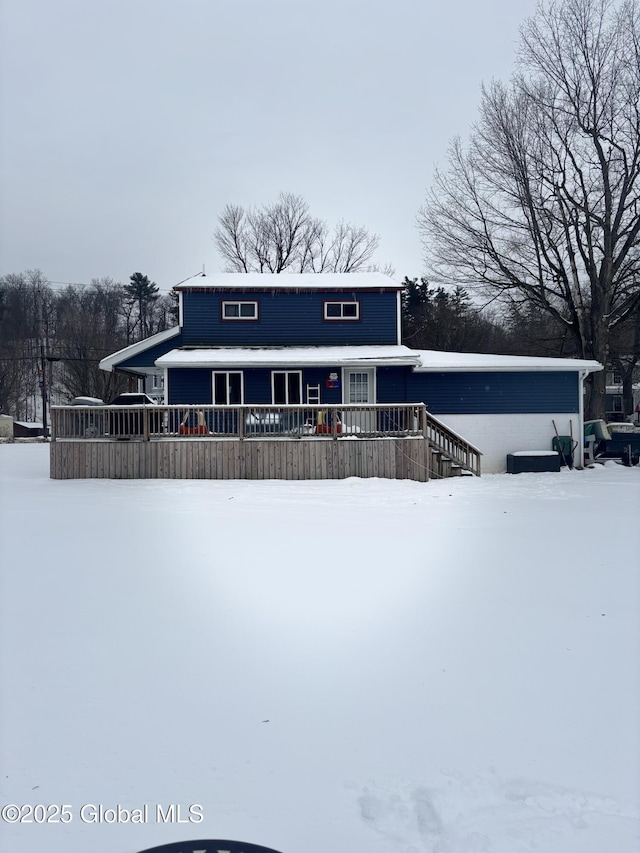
point(101, 284)
point(31, 358)
point(98, 283)
point(119, 283)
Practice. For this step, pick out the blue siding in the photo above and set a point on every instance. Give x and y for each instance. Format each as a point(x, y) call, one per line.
point(495, 393)
point(194, 385)
point(148, 357)
point(289, 319)
point(190, 385)
point(392, 385)
point(443, 393)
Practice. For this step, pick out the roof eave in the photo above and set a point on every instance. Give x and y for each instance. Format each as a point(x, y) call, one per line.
point(350, 362)
point(112, 361)
point(587, 367)
point(272, 287)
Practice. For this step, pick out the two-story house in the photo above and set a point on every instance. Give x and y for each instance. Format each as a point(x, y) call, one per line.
point(336, 340)
point(281, 339)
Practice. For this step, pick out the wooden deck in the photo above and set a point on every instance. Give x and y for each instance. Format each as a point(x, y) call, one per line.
point(267, 459)
point(247, 442)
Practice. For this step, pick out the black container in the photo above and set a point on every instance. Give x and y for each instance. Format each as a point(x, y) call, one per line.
point(518, 463)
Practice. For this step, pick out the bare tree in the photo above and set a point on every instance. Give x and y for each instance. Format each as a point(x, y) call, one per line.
point(285, 236)
point(88, 328)
point(542, 206)
point(349, 248)
point(26, 325)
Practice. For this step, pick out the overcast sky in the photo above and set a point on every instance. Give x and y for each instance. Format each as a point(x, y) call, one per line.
point(127, 125)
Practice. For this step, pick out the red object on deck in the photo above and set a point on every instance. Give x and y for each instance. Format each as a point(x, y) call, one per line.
point(201, 429)
point(327, 429)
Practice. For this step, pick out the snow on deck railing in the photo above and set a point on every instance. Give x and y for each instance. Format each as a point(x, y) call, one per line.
point(242, 422)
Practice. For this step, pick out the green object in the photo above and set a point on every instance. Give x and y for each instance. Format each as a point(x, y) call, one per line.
point(562, 445)
point(597, 428)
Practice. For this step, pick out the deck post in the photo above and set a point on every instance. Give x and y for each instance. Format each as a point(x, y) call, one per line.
point(334, 424)
point(241, 423)
point(423, 420)
point(145, 424)
point(422, 416)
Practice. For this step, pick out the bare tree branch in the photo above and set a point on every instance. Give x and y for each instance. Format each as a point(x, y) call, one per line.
point(284, 236)
point(542, 204)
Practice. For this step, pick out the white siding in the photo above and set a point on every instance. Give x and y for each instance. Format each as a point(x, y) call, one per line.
point(497, 435)
point(6, 426)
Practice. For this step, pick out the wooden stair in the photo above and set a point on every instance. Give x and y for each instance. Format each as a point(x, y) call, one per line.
point(450, 454)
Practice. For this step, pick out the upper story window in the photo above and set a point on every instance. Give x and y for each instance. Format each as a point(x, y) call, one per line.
point(615, 404)
point(342, 310)
point(239, 310)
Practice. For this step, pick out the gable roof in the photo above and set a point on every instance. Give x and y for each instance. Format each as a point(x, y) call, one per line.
point(110, 362)
point(291, 281)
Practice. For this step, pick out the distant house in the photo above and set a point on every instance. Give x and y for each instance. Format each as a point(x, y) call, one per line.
point(335, 340)
point(27, 429)
point(615, 398)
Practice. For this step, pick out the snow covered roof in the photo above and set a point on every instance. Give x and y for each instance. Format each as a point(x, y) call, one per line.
point(87, 401)
point(422, 360)
point(440, 362)
point(291, 281)
point(616, 387)
point(299, 356)
point(111, 361)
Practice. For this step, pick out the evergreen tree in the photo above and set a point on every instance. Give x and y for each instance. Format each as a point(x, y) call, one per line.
point(140, 296)
point(173, 306)
point(434, 318)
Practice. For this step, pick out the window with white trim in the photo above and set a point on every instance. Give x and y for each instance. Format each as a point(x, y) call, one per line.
point(342, 310)
point(286, 387)
point(239, 310)
point(359, 386)
point(227, 388)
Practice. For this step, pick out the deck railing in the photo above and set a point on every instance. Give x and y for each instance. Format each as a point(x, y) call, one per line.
point(245, 422)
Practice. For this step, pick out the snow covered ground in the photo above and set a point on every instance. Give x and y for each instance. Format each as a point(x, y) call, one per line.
point(362, 665)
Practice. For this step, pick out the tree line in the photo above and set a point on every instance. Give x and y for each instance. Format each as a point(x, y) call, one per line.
point(57, 338)
point(52, 340)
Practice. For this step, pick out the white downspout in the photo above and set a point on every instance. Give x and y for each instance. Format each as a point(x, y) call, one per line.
point(582, 375)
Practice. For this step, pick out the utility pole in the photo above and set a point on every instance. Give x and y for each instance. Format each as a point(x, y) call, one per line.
point(42, 373)
point(43, 386)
